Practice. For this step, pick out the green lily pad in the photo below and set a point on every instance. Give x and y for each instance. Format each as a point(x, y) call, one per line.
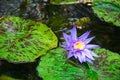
point(57, 2)
point(24, 40)
point(116, 2)
point(55, 66)
point(110, 11)
point(107, 65)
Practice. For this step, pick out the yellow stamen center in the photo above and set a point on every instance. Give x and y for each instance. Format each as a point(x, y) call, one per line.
point(79, 45)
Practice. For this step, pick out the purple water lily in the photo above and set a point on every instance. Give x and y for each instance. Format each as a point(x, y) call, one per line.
point(79, 47)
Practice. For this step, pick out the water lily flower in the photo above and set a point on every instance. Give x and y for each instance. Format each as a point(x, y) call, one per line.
point(79, 47)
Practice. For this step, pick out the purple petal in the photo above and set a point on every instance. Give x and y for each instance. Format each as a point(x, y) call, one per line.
point(87, 54)
point(67, 48)
point(89, 60)
point(80, 58)
point(74, 33)
point(67, 38)
point(93, 54)
point(89, 39)
point(75, 55)
point(92, 46)
point(69, 55)
point(84, 36)
point(83, 57)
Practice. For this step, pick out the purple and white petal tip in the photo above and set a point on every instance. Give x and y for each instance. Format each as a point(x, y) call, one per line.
point(73, 33)
point(79, 47)
point(84, 36)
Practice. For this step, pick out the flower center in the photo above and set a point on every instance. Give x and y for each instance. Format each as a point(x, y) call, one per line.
point(78, 45)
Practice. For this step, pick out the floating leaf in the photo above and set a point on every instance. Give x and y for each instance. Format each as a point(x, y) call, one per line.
point(116, 2)
point(93, 75)
point(107, 65)
point(24, 40)
point(109, 10)
point(55, 66)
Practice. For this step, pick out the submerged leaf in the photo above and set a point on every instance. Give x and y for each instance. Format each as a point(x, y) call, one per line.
point(5, 77)
point(109, 10)
point(24, 40)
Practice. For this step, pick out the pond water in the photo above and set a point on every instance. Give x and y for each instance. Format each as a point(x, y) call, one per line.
point(57, 17)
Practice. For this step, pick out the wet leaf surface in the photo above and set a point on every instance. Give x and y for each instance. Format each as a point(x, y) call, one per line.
point(24, 40)
point(107, 65)
point(55, 66)
point(110, 11)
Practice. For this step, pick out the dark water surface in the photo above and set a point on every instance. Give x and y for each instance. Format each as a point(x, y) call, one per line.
point(107, 35)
